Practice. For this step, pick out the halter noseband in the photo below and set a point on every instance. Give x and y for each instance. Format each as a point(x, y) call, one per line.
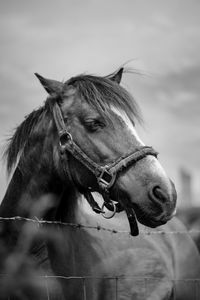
point(105, 175)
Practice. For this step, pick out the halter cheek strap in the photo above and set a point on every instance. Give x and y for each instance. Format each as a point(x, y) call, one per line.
point(105, 175)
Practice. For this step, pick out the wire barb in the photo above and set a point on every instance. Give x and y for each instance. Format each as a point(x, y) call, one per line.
point(98, 227)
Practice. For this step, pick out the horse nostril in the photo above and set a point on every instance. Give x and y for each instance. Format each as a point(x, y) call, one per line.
point(157, 194)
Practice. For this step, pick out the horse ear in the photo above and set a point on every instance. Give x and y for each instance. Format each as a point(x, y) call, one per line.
point(117, 76)
point(51, 86)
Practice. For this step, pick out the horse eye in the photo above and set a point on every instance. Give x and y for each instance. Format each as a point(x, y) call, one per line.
point(94, 125)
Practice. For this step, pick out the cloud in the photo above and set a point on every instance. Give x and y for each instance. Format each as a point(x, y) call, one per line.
point(172, 110)
point(63, 38)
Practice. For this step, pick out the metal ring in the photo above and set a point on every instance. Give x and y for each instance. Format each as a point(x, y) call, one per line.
point(113, 213)
point(65, 138)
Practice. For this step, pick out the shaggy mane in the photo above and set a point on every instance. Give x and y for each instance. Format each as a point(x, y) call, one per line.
point(102, 92)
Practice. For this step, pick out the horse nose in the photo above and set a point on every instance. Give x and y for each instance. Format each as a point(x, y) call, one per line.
point(159, 195)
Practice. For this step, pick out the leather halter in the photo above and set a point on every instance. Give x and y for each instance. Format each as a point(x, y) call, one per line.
point(105, 175)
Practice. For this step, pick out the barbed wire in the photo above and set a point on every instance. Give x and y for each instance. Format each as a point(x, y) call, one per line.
point(111, 277)
point(98, 227)
point(145, 279)
point(116, 279)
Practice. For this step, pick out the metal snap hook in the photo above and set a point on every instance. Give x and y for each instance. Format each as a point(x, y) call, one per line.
point(113, 212)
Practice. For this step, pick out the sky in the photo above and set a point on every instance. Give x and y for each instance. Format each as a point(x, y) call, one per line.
point(159, 39)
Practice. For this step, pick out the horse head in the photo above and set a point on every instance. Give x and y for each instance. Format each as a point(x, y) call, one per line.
point(99, 149)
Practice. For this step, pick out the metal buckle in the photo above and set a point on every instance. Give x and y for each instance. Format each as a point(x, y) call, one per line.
point(105, 179)
point(113, 212)
point(65, 138)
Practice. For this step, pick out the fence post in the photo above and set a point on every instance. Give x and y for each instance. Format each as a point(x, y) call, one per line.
point(196, 289)
point(145, 288)
point(84, 289)
point(116, 288)
point(47, 288)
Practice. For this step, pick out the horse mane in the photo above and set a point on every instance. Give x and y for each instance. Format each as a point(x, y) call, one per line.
point(99, 92)
point(17, 143)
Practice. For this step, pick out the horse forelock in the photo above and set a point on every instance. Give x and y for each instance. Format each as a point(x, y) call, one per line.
point(102, 93)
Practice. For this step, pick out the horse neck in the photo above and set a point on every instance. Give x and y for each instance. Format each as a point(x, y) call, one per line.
point(25, 197)
point(30, 198)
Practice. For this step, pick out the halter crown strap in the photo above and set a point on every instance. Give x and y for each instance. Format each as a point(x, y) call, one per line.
point(58, 118)
point(67, 144)
point(105, 175)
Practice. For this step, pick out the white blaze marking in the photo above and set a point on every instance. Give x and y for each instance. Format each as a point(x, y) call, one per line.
point(152, 162)
point(128, 123)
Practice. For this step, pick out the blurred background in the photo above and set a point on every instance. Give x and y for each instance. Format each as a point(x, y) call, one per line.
point(159, 39)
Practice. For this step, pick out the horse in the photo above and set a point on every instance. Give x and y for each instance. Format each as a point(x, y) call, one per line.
point(190, 217)
point(80, 142)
